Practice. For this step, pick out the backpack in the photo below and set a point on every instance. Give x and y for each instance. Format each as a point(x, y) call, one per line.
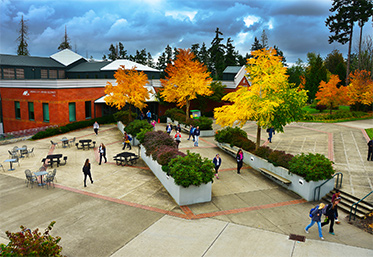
point(129, 138)
point(313, 210)
point(324, 210)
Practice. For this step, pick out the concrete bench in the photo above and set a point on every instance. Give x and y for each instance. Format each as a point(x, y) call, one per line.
point(229, 151)
point(275, 176)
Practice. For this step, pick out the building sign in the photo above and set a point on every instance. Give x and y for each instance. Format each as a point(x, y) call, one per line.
point(28, 92)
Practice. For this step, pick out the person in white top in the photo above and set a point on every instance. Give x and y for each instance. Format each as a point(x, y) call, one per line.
point(96, 127)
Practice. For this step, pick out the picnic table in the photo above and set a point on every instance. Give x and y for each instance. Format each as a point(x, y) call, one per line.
point(125, 158)
point(10, 162)
point(85, 144)
point(52, 158)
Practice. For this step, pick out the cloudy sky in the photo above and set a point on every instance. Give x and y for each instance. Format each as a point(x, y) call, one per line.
point(295, 26)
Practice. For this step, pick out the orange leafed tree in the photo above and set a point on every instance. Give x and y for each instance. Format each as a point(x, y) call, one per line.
point(186, 78)
point(130, 89)
point(330, 95)
point(360, 89)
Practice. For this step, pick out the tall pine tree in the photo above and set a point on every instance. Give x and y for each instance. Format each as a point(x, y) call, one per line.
point(217, 53)
point(65, 43)
point(23, 31)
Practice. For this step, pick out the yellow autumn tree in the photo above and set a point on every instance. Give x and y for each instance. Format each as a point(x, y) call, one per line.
point(360, 89)
point(330, 95)
point(130, 89)
point(269, 100)
point(186, 78)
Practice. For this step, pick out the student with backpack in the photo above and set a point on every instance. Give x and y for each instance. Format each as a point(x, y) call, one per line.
point(315, 215)
point(331, 212)
point(127, 139)
point(177, 138)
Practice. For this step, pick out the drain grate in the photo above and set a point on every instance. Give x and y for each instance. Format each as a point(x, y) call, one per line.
point(297, 238)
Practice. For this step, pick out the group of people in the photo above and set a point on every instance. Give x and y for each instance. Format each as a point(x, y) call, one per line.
point(331, 214)
point(217, 162)
point(194, 132)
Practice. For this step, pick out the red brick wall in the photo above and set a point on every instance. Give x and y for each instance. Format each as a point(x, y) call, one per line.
point(58, 100)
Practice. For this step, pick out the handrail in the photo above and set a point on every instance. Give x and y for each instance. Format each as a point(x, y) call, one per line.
point(319, 187)
point(356, 204)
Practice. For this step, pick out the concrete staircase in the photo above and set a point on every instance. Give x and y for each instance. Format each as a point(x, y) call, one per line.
point(363, 208)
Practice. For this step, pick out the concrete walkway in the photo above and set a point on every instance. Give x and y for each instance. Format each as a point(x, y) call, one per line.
point(127, 212)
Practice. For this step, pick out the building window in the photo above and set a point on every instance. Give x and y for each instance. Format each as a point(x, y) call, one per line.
point(72, 112)
point(9, 73)
point(88, 112)
point(61, 74)
point(52, 74)
point(31, 114)
point(45, 112)
point(20, 73)
point(44, 74)
point(17, 108)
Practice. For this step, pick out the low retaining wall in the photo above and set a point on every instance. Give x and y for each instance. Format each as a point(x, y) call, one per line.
point(182, 195)
point(298, 184)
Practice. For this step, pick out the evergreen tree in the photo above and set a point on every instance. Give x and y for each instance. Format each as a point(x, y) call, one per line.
point(168, 51)
point(195, 50)
point(161, 64)
point(23, 31)
point(315, 73)
point(122, 52)
point(280, 53)
point(150, 61)
point(295, 73)
point(336, 64)
point(231, 55)
point(256, 45)
point(65, 43)
point(217, 52)
point(364, 11)
point(113, 55)
point(264, 40)
point(104, 58)
point(175, 54)
point(204, 56)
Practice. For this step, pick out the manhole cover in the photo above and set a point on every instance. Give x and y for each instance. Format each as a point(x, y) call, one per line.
point(297, 238)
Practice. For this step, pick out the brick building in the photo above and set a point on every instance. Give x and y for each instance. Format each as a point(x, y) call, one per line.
point(37, 92)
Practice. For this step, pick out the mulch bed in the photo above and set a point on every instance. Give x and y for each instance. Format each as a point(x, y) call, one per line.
point(364, 224)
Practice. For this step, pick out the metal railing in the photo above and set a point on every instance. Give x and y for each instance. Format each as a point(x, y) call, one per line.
point(318, 188)
point(356, 204)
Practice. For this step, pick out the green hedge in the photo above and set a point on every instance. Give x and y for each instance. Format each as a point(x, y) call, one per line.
point(204, 123)
point(73, 126)
point(134, 127)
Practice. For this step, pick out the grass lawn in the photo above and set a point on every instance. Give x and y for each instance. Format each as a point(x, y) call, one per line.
point(370, 132)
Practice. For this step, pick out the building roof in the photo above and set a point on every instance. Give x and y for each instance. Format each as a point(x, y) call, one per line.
point(232, 69)
point(21, 60)
point(152, 97)
point(128, 65)
point(89, 66)
point(66, 57)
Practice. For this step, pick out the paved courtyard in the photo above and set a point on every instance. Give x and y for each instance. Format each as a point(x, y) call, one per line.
point(127, 212)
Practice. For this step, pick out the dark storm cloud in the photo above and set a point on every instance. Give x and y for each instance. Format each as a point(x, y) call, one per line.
point(295, 26)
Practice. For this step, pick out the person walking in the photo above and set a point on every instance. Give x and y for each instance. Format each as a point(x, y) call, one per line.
point(102, 151)
point(197, 132)
point(370, 149)
point(316, 218)
point(178, 128)
point(168, 128)
point(332, 213)
point(239, 158)
point(153, 124)
point(87, 172)
point(191, 132)
point(148, 115)
point(177, 138)
point(336, 196)
point(217, 163)
point(96, 127)
point(270, 132)
point(126, 141)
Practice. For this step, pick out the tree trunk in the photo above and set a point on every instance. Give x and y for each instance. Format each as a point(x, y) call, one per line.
point(360, 39)
point(349, 57)
point(258, 137)
point(187, 110)
point(331, 108)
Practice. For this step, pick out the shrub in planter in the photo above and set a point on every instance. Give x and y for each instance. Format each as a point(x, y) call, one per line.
point(263, 151)
point(204, 123)
point(191, 169)
point(141, 135)
point(227, 134)
point(31, 243)
point(171, 113)
point(154, 140)
point(166, 153)
point(280, 158)
point(180, 117)
point(312, 166)
point(135, 127)
point(123, 116)
point(248, 145)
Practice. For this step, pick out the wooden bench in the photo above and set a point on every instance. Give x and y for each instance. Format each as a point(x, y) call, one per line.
point(229, 150)
point(275, 176)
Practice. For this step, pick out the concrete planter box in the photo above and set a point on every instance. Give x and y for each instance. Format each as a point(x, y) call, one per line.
point(182, 195)
point(298, 184)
